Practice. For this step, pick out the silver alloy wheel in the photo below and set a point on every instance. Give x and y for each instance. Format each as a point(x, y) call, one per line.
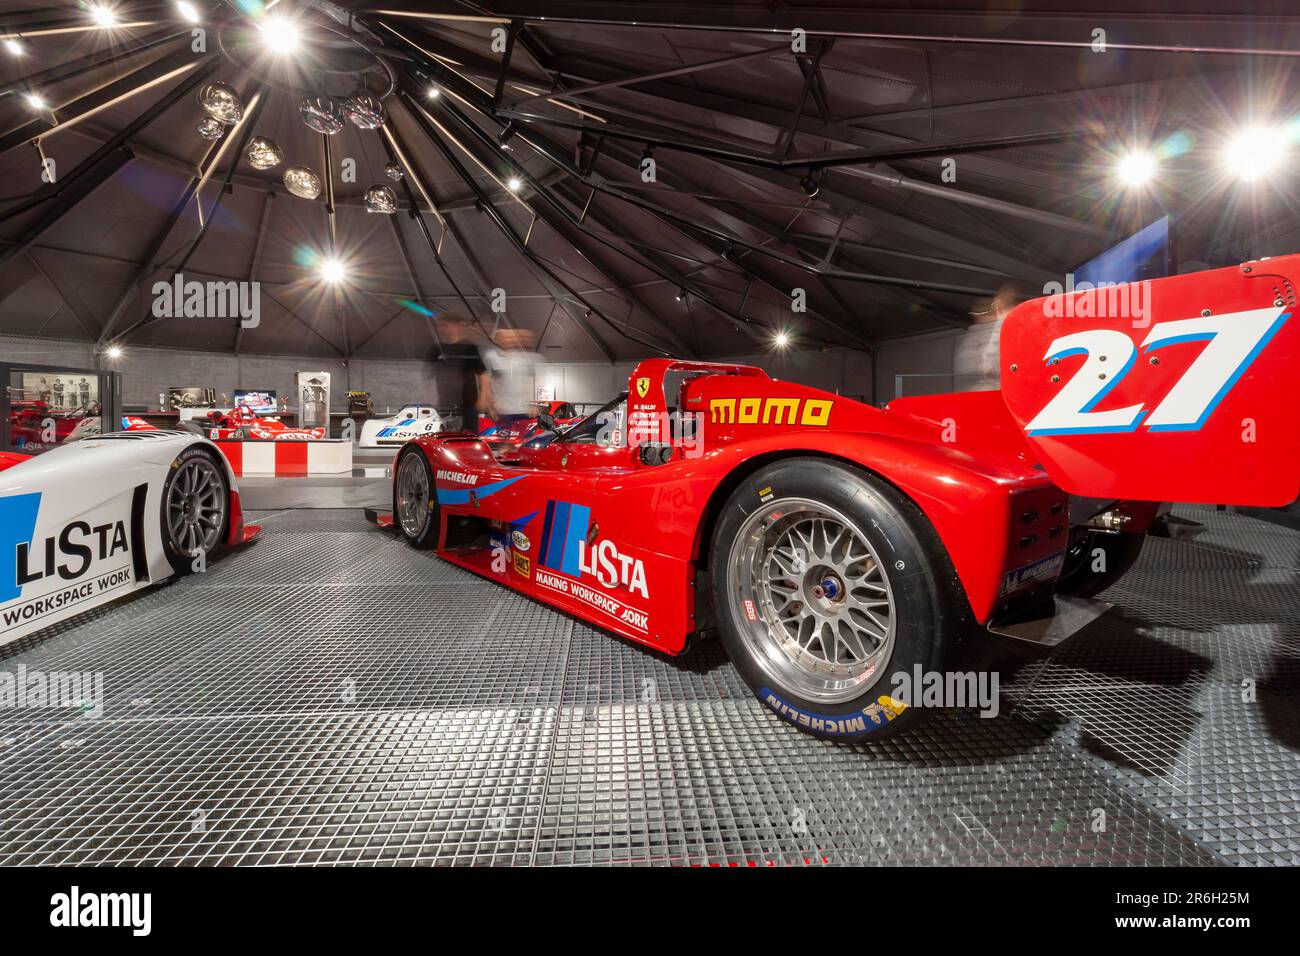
point(412, 503)
point(196, 506)
point(820, 615)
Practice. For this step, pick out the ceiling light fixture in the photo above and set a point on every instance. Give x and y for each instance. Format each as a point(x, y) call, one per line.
point(434, 92)
point(810, 186)
point(514, 184)
point(681, 295)
point(332, 270)
point(280, 34)
point(114, 352)
point(1136, 168)
point(36, 101)
point(14, 46)
point(103, 16)
point(782, 340)
point(187, 11)
point(507, 133)
point(1255, 152)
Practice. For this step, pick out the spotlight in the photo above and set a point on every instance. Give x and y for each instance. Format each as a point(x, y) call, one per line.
point(514, 184)
point(114, 352)
point(280, 34)
point(781, 340)
point(1136, 168)
point(507, 133)
point(36, 101)
point(333, 270)
point(681, 295)
point(434, 92)
point(187, 11)
point(1255, 152)
point(810, 186)
point(14, 46)
point(103, 16)
point(647, 153)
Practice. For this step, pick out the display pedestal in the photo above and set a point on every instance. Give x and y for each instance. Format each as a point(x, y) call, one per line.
point(288, 458)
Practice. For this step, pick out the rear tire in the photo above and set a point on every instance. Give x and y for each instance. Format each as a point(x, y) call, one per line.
point(1119, 550)
point(827, 583)
point(415, 512)
point(195, 509)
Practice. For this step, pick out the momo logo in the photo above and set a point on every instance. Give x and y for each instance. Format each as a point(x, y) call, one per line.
point(643, 387)
point(813, 412)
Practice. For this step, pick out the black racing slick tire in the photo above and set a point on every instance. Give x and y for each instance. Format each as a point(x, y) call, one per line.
point(828, 582)
point(194, 511)
point(415, 509)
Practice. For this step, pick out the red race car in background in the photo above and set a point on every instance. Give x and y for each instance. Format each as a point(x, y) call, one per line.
point(511, 436)
point(242, 424)
point(835, 546)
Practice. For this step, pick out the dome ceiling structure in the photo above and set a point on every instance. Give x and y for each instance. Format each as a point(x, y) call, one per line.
point(887, 169)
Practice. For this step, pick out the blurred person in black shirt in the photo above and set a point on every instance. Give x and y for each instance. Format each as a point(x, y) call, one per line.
point(463, 356)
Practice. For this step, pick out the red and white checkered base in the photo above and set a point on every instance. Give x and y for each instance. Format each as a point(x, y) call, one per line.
point(288, 458)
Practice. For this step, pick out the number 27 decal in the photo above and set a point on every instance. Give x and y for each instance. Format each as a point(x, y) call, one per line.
point(1233, 343)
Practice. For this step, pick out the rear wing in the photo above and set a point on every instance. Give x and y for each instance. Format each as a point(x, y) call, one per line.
point(1177, 389)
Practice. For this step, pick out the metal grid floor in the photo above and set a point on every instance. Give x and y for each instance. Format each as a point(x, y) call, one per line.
point(331, 696)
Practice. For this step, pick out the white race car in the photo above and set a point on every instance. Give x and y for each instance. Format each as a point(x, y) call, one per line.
point(89, 522)
point(411, 422)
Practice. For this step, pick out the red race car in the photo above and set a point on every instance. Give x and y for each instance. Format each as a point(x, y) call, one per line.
point(242, 424)
point(835, 546)
point(511, 436)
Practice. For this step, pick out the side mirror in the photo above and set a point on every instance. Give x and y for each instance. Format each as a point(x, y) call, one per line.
point(547, 421)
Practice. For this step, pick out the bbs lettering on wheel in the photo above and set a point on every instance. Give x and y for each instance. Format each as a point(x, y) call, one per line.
point(827, 582)
point(195, 510)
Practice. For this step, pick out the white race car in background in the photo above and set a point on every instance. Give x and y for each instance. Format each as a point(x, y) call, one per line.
point(411, 422)
point(89, 522)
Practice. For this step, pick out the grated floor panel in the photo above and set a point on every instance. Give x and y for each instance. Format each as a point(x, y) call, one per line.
point(330, 696)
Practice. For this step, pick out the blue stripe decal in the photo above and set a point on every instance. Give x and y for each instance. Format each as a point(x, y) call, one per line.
point(460, 496)
point(17, 525)
point(544, 555)
point(579, 519)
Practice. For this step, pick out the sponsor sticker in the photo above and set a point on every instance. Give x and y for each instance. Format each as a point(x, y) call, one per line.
point(520, 540)
point(1046, 569)
point(522, 565)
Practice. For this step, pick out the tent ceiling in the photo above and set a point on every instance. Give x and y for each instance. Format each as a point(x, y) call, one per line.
point(874, 108)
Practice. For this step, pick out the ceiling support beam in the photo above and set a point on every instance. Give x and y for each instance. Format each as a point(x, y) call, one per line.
point(87, 180)
point(263, 222)
point(117, 142)
point(119, 90)
point(245, 126)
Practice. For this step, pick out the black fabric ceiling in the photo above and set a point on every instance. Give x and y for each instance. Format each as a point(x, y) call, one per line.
point(1013, 98)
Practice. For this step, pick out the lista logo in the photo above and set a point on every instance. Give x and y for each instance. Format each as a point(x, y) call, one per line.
point(604, 563)
point(70, 553)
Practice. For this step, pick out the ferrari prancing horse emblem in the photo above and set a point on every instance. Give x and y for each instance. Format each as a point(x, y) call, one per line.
point(642, 386)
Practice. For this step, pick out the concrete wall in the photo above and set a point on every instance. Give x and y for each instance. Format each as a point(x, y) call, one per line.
point(146, 372)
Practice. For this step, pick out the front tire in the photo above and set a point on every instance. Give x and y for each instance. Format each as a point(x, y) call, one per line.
point(195, 511)
point(828, 582)
point(414, 510)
